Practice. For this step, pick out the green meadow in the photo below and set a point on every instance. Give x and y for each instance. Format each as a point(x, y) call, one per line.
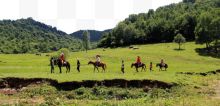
point(187, 60)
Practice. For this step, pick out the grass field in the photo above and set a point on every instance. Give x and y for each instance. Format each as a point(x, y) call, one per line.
point(192, 90)
point(188, 60)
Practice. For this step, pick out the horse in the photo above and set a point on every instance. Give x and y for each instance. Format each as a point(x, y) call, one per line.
point(58, 62)
point(96, 66)
point(142, 65)
point(161, 66)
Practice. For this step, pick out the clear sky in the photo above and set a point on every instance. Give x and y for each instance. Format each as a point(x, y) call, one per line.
point(73, 15)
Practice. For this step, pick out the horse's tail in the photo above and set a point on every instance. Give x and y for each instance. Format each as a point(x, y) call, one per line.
point(105, 66)
point(69, 66)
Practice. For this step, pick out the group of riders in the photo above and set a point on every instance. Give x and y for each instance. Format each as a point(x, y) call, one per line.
point(98, 61)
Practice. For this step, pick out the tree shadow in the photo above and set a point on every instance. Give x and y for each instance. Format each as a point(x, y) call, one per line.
point(208, 53)
point(178, 49)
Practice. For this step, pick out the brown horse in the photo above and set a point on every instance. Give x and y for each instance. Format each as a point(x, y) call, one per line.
point(96, 66)
point(58, 62)
point(142, 65)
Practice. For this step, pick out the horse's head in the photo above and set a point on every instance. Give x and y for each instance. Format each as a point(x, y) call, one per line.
point(132, 65)
point(157, 65)
point(90, 62)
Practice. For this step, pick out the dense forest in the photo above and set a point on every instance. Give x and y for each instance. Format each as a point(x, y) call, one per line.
point(30, 36)
point(164, 23)
point(94, 34)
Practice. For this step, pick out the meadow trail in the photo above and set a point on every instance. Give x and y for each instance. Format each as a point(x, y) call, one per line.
point(217, 90)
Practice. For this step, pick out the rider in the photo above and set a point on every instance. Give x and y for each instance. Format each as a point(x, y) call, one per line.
point(62, 58)
point(138, 60)
point(98, 60)
point(162, 62)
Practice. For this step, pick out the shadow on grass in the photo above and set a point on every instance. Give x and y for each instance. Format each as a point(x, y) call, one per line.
point(205, 52)
point(178, 49)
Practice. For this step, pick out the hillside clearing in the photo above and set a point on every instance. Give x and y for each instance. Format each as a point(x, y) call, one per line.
point(188, 60)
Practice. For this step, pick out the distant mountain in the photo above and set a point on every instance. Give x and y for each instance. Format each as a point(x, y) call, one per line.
point(94, 34)
point(30, 36)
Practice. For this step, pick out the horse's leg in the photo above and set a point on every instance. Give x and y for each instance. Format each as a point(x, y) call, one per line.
point(103, 68)
point(97, 68)
point(66, 69)
point(136, 69)
point(69, 68)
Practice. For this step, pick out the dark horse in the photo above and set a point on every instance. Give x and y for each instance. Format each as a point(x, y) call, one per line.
point(142, 65)
point(161, 66)
point(96, 66)
point(58, 62)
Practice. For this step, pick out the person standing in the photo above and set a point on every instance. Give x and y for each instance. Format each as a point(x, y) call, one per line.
point(78, 65)
point(151, 66)
point(52, 65)
point(122, 66)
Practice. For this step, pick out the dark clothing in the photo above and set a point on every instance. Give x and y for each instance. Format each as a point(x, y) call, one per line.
point(151, 66)
point(122, 68)
point(78, 65)
point(97, 63)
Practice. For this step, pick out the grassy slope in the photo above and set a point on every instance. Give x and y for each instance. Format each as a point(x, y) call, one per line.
point(30, 65)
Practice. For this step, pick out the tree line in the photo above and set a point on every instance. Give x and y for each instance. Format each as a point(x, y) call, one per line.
point(195, 20)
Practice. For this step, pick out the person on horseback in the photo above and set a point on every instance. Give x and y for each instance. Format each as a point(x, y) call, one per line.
point(162, 62)
point(98, 60)
point(138, 60)
point(62, 58)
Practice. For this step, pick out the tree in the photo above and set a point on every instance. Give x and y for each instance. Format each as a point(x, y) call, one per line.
point(86, 40)
point(179, 39)
point(203, 29)
point(215, 24)
point(189, 1)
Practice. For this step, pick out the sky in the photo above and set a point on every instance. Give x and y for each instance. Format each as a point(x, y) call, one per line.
point(72, 15)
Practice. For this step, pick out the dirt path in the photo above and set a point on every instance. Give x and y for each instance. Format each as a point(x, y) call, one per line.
point(217, 90)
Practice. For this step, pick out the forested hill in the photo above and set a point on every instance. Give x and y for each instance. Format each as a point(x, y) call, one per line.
point(30, 36)
point(160, 25)
point(94, 34)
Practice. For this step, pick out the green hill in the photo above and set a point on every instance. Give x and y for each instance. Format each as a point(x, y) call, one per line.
point(160, 25)
point(30, 36)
